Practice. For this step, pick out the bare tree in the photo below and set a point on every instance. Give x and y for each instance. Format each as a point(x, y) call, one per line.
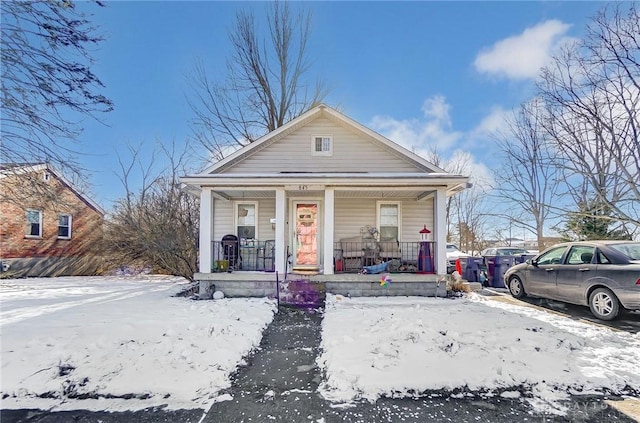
point(266, 84)
point(467, 211)
point(157, 225)
point(47, 83)
point(592, 95)
point(527, 177)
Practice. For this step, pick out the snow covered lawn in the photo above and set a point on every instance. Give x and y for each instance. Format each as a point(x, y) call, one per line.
point(124, 343)
point(116, 343)
point(402, 346)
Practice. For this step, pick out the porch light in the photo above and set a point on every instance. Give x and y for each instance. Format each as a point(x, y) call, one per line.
point(424, 234)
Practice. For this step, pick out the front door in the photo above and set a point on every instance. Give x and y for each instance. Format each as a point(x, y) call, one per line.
point(305, 240)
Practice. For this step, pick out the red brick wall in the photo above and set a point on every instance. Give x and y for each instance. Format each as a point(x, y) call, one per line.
point(86, 222)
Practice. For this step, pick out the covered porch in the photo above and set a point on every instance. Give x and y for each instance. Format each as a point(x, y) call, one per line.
point(321, 224)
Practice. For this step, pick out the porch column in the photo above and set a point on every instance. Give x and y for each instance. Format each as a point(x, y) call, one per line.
point(281, 203)
point(440, 214)
point(206, 227)
point(329, 196)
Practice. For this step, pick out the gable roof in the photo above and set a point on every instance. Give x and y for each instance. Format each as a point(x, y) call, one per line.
point(321, 110)
point(16, 169)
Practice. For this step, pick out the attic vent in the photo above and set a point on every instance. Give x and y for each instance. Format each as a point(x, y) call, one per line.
point(47, 176)
point(322, 145)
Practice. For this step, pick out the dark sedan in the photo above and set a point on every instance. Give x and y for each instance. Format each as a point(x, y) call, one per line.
point(604, 275)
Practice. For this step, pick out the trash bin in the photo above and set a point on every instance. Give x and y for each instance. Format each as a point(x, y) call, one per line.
point(497, 266)
point(471, 268)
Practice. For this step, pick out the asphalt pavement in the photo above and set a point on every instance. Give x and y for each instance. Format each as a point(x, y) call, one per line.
point(280, 384)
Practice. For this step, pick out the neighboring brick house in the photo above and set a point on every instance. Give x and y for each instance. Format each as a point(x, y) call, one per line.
point(48, 227)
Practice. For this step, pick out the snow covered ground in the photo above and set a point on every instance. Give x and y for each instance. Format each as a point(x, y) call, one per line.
point(388, 346)
point(124, 343)
point(117, 343)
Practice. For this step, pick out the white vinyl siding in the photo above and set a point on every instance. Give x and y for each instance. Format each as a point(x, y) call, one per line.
point(415, 215)
point(353, 214)
point(350, 153)
point(224, 223)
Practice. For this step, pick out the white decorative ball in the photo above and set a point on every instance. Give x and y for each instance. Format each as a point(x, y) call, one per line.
point(218, 295)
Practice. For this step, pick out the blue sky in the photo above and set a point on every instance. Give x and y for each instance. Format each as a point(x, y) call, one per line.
point(421, 73)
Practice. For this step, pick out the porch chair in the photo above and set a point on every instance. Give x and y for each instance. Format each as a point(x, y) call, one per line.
point(231, 251)
point(390, 249)
point(352, 253)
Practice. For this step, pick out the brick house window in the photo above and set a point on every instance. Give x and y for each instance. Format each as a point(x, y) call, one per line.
point(34, 224)
point(64, 226)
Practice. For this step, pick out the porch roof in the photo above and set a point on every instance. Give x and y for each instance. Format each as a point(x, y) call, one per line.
point(319, 181)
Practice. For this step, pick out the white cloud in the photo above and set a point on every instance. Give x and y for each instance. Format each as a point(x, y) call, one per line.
point(433, 131)
point(521, 56)
point(465, 163)
point(494, 122)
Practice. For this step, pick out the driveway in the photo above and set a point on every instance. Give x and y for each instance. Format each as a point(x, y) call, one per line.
point(628, 322)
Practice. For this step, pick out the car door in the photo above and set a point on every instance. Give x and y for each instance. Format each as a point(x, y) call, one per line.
point(578, 266)
point(540, 279)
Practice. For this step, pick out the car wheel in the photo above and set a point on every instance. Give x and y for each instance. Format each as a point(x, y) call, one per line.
point(516, 287)
point(604, 304)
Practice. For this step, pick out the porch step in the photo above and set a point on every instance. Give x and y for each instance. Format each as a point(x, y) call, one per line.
point(302, 293)
point(306, 270)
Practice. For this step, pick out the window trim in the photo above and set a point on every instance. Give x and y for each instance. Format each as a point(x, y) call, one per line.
point(69, 226)
point(326, 153)
point(236, 205)
point(40, 218)
point(398, 204)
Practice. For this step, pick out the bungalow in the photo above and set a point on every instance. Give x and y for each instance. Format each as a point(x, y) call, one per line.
point(322, 195)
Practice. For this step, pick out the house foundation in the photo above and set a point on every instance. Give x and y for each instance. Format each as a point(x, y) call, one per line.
point(261, 284)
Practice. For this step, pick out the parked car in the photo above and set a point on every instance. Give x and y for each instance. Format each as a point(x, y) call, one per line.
point(453, 254)
point(604, 275)
point(504, 251)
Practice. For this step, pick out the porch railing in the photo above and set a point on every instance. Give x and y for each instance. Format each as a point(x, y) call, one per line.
point(348, 257)
point(250, 255)
point(391, 256)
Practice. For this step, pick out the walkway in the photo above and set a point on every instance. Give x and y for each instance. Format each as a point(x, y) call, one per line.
point(280, 384)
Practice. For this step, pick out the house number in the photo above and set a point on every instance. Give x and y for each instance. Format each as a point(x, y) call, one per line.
point(303, 187)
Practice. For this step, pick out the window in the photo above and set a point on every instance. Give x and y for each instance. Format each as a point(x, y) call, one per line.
point(34, 223)
point(552, 256)
point(389, 221)
point(246, 221)
point(580, 254)
point(322, 145)
point(64, 226)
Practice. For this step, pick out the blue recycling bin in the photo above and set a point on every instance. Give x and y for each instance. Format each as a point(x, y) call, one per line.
point(471, 268)
point(497, 266)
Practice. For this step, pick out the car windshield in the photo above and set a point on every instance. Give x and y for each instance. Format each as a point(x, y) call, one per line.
point(511, 251)
point(631, 250)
